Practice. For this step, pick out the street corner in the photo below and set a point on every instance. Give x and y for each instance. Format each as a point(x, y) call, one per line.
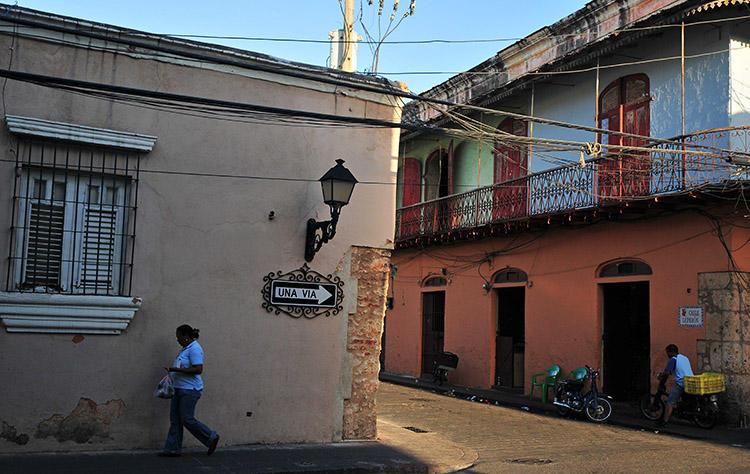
point(438, 453)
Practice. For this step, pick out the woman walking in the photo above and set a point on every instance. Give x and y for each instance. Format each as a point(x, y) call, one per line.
point(188, 386)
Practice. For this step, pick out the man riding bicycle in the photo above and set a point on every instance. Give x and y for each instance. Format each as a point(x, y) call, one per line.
point(678, 366)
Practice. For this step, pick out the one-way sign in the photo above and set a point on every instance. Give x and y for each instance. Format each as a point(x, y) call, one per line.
point(296, 293)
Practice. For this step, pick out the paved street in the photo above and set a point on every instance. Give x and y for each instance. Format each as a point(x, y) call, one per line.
point(511, 440)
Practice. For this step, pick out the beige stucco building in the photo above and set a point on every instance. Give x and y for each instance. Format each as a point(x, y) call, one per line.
point(126, 212)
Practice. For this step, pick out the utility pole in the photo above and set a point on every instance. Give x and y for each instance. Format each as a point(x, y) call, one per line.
point(344, 42)
point(346, 63)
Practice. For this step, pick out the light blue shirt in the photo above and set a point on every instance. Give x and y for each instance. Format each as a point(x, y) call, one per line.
point(190, 355)
point(679, 366)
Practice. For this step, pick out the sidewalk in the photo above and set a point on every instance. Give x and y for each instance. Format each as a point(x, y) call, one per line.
point(397, 450)
point(623, 414)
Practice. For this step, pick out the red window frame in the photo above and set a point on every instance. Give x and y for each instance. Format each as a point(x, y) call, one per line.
point(625, 173)
point(510, 200)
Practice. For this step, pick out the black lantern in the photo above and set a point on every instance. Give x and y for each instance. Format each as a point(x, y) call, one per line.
point(337, 185)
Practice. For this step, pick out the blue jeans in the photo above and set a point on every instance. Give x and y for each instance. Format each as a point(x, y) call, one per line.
point(675, 394)
point(182, 414)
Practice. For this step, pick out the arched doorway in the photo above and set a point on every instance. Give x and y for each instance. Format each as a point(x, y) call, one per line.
point(626, 329)
point(510, 335)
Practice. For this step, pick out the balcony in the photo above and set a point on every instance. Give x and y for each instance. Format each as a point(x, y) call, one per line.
point(607, 182)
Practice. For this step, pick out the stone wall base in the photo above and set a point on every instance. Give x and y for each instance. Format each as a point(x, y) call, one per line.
point(725, 297)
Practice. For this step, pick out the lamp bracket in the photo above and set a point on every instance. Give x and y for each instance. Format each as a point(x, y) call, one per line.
point(319, 233)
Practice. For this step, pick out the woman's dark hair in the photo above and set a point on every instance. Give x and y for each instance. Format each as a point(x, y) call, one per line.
point(188, 331)
point(673, 349)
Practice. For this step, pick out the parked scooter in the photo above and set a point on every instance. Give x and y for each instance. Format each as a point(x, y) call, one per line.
point(703, 410)
point(569, 397)
point(444, 361)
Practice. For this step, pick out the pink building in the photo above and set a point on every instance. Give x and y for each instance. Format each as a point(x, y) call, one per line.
point(591, 212)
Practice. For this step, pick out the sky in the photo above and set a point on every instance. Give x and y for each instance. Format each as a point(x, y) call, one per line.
point(313, 19)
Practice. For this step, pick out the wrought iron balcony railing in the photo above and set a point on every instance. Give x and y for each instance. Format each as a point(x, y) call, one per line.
point(603, 181)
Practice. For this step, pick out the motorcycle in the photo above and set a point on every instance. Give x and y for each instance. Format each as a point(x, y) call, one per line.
point(444, 361)
point(569, 397)
point(703, 410)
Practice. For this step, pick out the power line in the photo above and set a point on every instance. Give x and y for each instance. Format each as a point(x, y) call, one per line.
point(437, 40)
point(384, 89)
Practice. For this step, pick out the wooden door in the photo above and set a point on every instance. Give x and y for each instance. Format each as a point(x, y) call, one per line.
point(511, 161)
point(624, 106)
point(433, 324)
point(411, 193)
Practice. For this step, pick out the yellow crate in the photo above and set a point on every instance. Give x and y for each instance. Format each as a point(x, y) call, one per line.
point(704, 383)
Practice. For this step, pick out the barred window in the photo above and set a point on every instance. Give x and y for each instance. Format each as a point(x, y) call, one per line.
point(74, 219)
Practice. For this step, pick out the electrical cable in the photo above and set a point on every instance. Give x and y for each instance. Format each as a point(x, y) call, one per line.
point(436, 40)
point(385, 86)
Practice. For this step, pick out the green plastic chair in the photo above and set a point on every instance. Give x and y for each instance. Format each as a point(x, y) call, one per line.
point(548, 378)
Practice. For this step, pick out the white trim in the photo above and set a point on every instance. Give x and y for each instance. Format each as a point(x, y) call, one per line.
point(68, 314)
point(79, 133)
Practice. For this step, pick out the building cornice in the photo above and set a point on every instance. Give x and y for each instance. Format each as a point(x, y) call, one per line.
point(597, 22)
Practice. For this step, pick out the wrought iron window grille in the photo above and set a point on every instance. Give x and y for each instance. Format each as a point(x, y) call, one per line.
point(73, 219)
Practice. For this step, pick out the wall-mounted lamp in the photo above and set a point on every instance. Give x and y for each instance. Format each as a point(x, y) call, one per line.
point(338, 184)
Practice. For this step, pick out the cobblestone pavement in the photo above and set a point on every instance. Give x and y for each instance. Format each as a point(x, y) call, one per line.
point(511, 440)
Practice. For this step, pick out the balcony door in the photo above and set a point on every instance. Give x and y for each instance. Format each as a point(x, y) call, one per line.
point(438, 177)
point(411, 193)
point(624, 106)
point(438, 183)
point(511, 162)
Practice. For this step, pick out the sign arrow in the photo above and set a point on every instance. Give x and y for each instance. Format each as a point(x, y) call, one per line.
point(322, 294)
point(294, 293)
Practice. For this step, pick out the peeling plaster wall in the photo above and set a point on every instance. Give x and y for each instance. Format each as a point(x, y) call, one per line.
point(596, 20)
point(706, 86)
point(571, 98)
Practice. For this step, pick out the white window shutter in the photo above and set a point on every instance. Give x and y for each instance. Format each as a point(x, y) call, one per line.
point(99, 255)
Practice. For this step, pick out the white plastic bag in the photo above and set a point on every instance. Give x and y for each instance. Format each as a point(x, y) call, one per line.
point(165, 389)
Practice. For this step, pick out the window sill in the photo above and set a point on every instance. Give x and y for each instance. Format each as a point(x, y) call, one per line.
point(67, 314)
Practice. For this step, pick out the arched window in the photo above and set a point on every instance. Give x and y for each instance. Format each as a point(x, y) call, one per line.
point(625, 268)
point(624, 106)
point(435, 281)
point(511, 163)
point(510, 275)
